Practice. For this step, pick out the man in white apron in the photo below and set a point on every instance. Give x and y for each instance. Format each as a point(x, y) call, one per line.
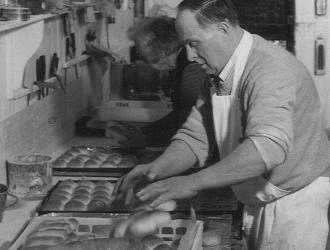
point(267, 124)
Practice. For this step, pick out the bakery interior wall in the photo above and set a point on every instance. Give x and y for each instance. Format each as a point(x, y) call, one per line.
point(32, 125)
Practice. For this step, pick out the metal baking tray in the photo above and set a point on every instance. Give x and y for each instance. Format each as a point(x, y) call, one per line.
point(209, 202)
point(115, 206)
point(142, 156)
point(90, 226)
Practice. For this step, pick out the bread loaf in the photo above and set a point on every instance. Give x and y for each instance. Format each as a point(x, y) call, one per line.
point(151, 241)
point(50, 233)
point(211, 238)
point(108, 164)
point(145, 222)
point(75, 205)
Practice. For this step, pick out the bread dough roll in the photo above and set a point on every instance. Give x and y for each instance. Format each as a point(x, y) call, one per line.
point(167, 206)
point(53, 205)
point(70, 225)
point(101, 156)
point(108, 164)
point(59, 198)
point(76, 163)
point(91, 164)
point(85, 183)
point(83, 157)
point(126, 163)
point(116, 133)
point(211, 238)
point(43, 240)
point(68, 182)
point(62, 233)
point(67, 156)
point(97, 205)
point(151, 241)
point(81, 191)
point(82, 198)
point(74, 205)
point(60, 192)
point(115, 157)
point(81, 150)
point(106, 184)
point(100, 194)
point(163, 247)
point(60, 163)
point(147, 222)
point(100, 188)
point(66, 188)
point(106, 200)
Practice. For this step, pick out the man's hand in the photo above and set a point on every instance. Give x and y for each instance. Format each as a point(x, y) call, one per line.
point(136, 175)
point(169, 189)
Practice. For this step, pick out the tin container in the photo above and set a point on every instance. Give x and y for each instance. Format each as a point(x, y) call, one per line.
point(29, 176)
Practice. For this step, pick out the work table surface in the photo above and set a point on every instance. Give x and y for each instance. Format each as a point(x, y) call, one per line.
point(14, 219)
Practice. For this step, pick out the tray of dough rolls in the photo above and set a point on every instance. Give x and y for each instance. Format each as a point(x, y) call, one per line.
point(86, 196)
point(100, 161)
point(60, 232)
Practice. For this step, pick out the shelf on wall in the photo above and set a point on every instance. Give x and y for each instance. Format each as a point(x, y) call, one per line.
point(10, 25)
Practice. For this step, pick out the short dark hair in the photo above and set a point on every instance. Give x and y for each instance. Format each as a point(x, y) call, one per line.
point(211, 11)
point(155, 37)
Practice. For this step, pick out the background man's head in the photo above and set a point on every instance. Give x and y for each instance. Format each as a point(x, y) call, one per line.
point(209, 30)
point(156, 41)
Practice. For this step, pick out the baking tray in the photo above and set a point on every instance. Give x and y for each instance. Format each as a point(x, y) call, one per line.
point(176, 229)
point(209, 202)
point(142, 156)
point(115, 206)
point(84, 227)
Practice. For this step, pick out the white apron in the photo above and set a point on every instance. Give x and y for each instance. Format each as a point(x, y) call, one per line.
point(257, 192)
point(227, 123)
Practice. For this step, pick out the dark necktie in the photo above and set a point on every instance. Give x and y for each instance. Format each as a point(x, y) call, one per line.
point(220, 86)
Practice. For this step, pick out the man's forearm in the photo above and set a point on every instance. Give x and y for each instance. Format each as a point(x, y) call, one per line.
point(176, 159)
point(242, 164)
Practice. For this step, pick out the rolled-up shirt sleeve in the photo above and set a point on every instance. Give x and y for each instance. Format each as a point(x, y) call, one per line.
point(269, 116)
point(195, 130)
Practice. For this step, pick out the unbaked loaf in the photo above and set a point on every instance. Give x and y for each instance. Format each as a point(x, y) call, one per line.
point(50, 233)
point(144, 223)
point(211, 239)
point(84, 195)
point(108, 164)
point(83, 157)
point(151, 241)
point(75, 205)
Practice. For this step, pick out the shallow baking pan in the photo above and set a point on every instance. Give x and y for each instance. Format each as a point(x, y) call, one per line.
point(209, 202)
point(91, 227)
point(105, 204)
point(62, 165)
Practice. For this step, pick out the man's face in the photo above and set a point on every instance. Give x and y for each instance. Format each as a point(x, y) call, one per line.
point(205, 45)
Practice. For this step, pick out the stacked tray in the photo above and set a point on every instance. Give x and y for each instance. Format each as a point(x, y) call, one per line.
point(95, 196)
point(70, 196)
point(56, 229)
point(100, 161)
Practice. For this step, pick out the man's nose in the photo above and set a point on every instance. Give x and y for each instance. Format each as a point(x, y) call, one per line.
point(191, 53)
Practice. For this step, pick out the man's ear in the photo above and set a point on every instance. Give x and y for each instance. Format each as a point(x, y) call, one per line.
point(224, 27)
